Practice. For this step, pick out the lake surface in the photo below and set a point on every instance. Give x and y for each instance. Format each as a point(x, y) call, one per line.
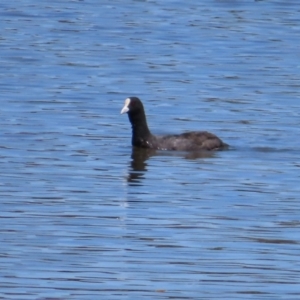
point(85, 217)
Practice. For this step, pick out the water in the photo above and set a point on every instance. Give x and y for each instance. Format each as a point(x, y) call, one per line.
point(82, 217)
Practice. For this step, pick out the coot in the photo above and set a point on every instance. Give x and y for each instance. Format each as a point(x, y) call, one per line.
point(142, 137)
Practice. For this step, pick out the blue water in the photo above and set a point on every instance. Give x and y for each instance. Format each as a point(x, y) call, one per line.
point(84, 217)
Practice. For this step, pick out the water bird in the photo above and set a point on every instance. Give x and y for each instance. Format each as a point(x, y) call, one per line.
point(143, 138)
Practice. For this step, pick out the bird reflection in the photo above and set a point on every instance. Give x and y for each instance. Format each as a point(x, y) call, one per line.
point(138, 164)
point(139, 157)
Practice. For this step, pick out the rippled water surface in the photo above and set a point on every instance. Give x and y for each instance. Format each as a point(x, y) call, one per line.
point(85, 217)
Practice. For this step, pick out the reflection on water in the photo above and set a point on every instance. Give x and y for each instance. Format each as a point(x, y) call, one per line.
point(139, 157)
point(138, 164)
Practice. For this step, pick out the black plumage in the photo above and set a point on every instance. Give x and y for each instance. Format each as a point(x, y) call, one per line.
point(142, 137)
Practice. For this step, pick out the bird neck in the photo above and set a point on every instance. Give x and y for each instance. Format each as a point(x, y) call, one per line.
point(139, 126)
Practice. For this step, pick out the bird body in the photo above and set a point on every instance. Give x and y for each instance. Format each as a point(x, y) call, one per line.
point(143, 138)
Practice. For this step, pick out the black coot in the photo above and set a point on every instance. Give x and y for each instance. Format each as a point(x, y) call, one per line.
point(142, 137)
